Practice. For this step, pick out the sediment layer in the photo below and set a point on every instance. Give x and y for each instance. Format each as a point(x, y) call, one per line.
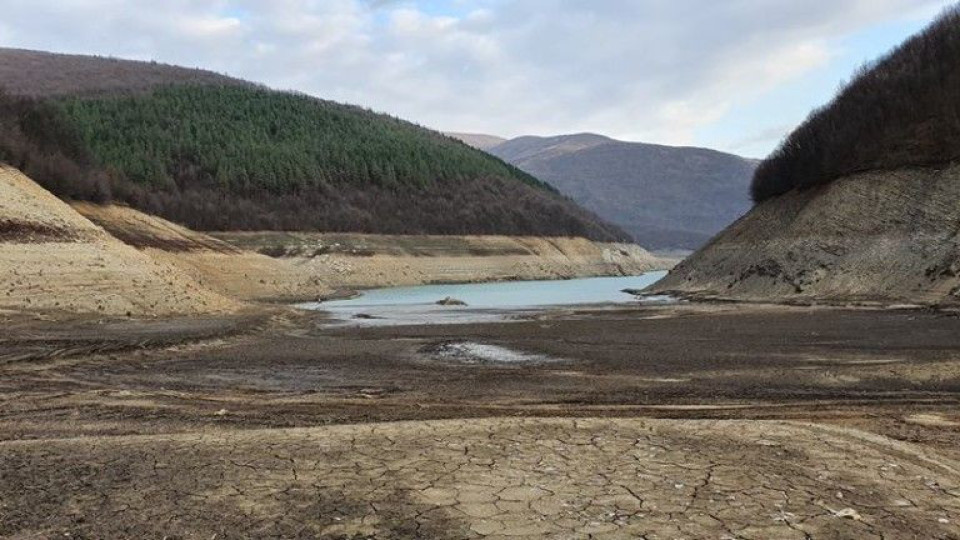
point(889, 237)
point(54, 260)
point(345, 261)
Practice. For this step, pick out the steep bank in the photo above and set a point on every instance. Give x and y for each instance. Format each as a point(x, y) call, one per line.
point(884, 236)
point(53, 260)
point(366, 261)
point(291, 266)
point(215, 264)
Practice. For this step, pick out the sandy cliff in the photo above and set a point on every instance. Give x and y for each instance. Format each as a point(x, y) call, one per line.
point(274, 266)
point(217, 265)
point(361, 261)
point(116, 261)
point(54, 260)
point(884, 236)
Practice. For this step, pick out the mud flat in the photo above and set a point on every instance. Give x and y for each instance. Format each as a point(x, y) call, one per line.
point(493, 478)
point(681, 421)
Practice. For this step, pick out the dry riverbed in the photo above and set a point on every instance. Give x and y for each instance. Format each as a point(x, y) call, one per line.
point(656, 422)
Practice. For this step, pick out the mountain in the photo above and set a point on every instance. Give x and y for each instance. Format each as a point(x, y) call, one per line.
point(862, 201)
point(478, 140)
point(665, 197)
point(216, 153)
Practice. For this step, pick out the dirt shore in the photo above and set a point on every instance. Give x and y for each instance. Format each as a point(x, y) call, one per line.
point(666, 422)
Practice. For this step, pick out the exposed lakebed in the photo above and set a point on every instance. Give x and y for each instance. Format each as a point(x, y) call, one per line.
point(482, 302)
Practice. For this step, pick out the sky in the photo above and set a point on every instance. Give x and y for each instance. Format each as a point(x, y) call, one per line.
point(735, 75)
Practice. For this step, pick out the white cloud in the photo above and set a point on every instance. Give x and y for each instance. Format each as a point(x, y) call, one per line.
point(641, 69)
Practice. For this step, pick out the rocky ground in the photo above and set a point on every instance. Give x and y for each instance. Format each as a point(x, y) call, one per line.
point(669, 422)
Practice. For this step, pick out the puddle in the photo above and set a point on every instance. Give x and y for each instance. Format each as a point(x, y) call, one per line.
point(469, 352)
point(659, 300)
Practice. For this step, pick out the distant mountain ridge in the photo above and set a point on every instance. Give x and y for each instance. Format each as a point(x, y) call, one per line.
point(665, 197)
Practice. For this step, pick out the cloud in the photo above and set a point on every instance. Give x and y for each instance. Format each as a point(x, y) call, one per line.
point(639, 69)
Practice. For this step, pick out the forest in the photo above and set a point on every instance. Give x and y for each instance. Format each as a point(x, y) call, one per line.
point(900, 111)
point(243, 157)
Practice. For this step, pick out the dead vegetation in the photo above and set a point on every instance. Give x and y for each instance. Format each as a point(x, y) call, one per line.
point(899, 111)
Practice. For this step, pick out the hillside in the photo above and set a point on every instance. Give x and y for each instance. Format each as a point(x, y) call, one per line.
point(665, 197)
point(53, 260)
point(888, 234)
point(303, 266)
point(38, 73)
point(218, 154)
point(212, 263)
point(900, 111)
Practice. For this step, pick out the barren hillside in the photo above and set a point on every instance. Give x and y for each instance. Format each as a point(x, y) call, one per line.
point(54, 260)
point(38, 73)
point(478, 140)
point(215, 264)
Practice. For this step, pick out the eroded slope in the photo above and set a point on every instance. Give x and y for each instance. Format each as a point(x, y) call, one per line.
point(361, 260)
point(883, 236)
point(53, 259)
point(216, 264)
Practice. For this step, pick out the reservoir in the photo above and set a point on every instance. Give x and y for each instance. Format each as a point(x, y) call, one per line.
point(484, 301)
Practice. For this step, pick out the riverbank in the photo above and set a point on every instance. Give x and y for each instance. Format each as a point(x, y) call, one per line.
point(295, 267)
point(365, 261)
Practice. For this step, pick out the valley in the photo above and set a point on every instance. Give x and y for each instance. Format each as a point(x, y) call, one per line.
point(229, 311)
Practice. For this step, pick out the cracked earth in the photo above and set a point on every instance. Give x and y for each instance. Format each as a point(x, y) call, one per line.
point(494, 478)
point(771, 425)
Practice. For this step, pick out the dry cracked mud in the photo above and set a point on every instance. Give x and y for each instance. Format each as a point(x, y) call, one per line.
point(493, 478)
point(718, 422)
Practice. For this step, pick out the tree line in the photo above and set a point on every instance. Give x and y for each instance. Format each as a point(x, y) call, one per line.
point(900, 111)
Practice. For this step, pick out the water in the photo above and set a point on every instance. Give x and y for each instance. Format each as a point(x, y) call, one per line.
point(485, 301)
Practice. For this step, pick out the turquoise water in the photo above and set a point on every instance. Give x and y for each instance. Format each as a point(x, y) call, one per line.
point(485, 301)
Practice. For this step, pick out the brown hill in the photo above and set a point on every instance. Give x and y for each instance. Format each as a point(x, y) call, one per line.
point(215, 264)
point(883, 236)
point(478, 140)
